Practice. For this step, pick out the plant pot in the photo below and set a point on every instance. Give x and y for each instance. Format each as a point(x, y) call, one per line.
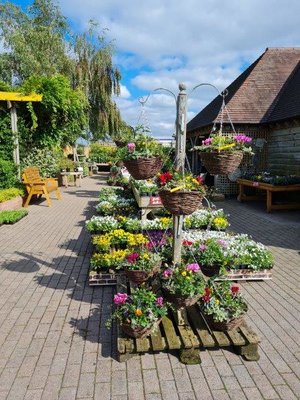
point(224, 325)
point(210, 270)
point(139, 332)
point(180, 301)
point(180, 202)
point(143, 168)
point(138, 276)
point(221, 163)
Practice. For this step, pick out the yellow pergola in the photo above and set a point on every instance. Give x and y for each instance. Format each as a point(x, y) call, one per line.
point(11, 98)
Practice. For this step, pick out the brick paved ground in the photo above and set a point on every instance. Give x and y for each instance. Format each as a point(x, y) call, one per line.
point(53, 341)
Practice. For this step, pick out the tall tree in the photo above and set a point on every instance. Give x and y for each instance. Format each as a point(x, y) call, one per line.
point(96, 75)
point(34, 41)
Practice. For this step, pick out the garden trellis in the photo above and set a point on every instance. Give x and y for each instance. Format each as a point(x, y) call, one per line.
point(11, 98)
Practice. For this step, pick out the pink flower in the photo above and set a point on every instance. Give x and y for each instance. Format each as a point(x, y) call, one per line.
point(193, 267)
point(202, 247)
point(131, 147)
point(120, 298)
point(207, 141)
point(167, 273)
point(159, 301)
point(131, 258)
point(235, 289)
point(222, 243)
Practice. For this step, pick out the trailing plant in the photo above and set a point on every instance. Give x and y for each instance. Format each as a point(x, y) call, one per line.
point(141, 259)
point(226, 143)
point(174, 181)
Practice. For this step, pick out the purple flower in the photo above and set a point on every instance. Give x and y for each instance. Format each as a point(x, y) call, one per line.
point(159, 301)
point(193, 267)
point(131, 258)
point(131, 147)
point(202, 247)
point(207, 141)
point(222, 243)
point(167, 273)
point(120, 298)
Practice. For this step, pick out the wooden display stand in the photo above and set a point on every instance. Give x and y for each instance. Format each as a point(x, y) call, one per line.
point(146, 203)
point(186, 333)
point(270, 189)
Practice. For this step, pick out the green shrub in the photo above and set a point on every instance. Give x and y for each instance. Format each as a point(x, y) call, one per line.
point(8, 174)
point(8, 194)
point(10, 217)
point(103, 153)
point(46, 159)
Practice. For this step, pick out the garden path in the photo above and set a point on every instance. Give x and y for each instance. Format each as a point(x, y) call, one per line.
point(53, 342)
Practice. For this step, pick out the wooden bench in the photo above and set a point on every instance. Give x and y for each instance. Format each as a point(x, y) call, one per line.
point(36, 185)
point(186, 334)
point(270, 189)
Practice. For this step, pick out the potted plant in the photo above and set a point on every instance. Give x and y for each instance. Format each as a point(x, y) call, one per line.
point(141, 264)
point(223, 305)
point(211, 254)
point(181, 194)
point(222, 154)
point(142, 157)
point(183, 284)
point(139, 313)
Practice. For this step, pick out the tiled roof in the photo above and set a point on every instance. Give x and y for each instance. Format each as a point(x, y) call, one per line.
point(255, 96)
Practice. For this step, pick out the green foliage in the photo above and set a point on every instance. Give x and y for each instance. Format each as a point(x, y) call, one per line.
point(61, 116)
point(142, 146)
point(8, 174)
point(102, 153)
point(45, 159)
point(9, 194)
point(6, 138)
point(10, 217)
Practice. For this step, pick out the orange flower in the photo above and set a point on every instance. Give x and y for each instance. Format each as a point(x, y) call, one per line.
point(138, 312)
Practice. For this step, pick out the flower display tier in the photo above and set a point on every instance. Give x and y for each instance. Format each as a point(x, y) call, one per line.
point(186, 339)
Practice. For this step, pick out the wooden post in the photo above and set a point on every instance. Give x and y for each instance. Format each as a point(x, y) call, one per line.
point(14, 128)
point(179, 165)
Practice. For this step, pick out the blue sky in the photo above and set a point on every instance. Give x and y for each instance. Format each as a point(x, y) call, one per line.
point(163, 42)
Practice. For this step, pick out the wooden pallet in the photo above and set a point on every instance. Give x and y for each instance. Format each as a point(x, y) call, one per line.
point(187, 334)
point(247, 275)
point(102, 279)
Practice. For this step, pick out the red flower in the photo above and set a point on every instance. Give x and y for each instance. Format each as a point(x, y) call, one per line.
point(187, 243)
point(199, 179)
point(165, 178)
point(131, 258)
point(235, 289)
point(207, 293)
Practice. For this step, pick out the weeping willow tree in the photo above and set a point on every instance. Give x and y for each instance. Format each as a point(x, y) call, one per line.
point(96, 75)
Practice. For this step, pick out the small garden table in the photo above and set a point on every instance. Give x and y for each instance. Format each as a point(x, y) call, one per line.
point(270, 189)
point(77, 178)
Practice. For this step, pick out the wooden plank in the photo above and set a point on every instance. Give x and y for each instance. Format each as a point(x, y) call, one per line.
point(173, 341)
point(250, 336)
point(142, 345)
point(221, 339)
point(206, 340)
point(236, 338)
point(186, 334)
point(16, 96)
point(157, 342)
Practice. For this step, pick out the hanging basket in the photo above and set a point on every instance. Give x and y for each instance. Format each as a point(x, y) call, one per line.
point(221, 163)
point(139, 332)
point(180, 301)
point(138, 276)
point(210, 270)
point(224, 325)
point(143, 168)
point(180, 202)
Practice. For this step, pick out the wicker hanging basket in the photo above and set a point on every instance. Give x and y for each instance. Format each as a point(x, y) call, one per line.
point(221, 163)
point(180, 301)
point(138, 276)
point(143, 168)
point(210, 270)
point(180, 202)
point(139, 332)
point(224, 325)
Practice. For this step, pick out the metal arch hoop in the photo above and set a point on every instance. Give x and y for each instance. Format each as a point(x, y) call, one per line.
point(143, 100)
point(223, 94)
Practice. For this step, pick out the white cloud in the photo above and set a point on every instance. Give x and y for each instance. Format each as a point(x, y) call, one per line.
point(192, 41)
point(125, 93)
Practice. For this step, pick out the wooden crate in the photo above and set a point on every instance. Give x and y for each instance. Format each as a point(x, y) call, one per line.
point(186, 333)
point(247, 275)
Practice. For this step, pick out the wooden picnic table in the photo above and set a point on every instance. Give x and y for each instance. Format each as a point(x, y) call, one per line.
point(270, 189)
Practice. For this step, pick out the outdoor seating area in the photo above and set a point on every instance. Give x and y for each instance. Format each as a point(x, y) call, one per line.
point(55, 322)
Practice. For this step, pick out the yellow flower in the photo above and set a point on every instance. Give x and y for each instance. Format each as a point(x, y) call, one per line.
point(138, 312)
point(217, 301)
point(183, 273)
